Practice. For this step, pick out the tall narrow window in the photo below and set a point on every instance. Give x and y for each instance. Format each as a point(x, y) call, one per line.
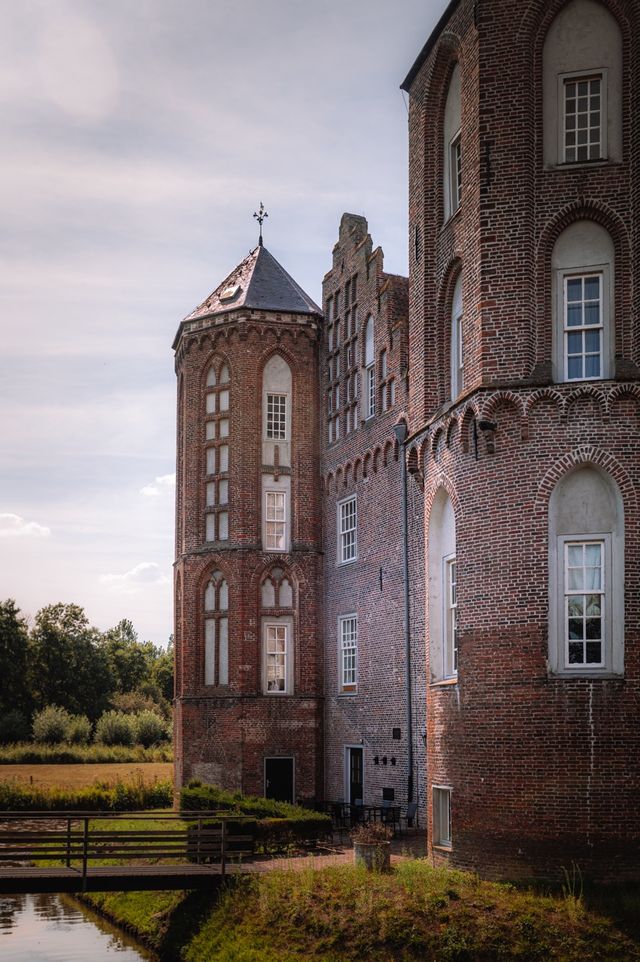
point(452, 146)
point(584, 593)
point(441, 817)
point(276, 658)
point(347, 530)
point(451, 618)
point(348, 633)
point(276, 521)
point(369, 371)
point(583, 327)
point(584, 115)
point(457, 343)
point(216, 631)
point(216, 434)
point(276, 417)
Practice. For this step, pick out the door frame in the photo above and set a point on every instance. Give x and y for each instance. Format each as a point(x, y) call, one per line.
point(347, 772)
point(293, 773)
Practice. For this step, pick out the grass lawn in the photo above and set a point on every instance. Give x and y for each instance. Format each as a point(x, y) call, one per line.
point(343, 914)
point(82, 776)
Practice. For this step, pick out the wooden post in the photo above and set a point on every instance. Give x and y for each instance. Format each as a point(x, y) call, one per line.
point(85, 846)
point(199, 839)
point(223, 852)
point(68, 843)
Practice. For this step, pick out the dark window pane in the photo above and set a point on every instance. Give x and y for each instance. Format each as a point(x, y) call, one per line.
point(594, 628)
point(594, 652)
point(592, 365)
point(574, 368)
point(576, 627)
point(576, 656)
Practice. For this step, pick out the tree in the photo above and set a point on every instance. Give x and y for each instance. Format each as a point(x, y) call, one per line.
point(67, 664)
point(14, 647)
point(162, 670)
point(130, 660)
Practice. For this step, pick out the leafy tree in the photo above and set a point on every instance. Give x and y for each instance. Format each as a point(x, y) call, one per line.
point(162, 670)
point(130, 659)
point(67, 664)
point(14, 654)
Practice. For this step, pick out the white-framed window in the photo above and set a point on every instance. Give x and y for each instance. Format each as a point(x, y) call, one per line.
point(348, 654)
point(450, 619)
point(276, 520)
point(583, 112)
point(216, 631)
point(584, 602)
point(455, 171)
point(276, 417)
point(275, 641)
point(217, 430)
point(369, 371)
point(442, 835)
point(586, 575)
point(457, 343)
point(383, 364)
point(347, 530)
point(583, 324)
point(392, 393)
point(330, 431)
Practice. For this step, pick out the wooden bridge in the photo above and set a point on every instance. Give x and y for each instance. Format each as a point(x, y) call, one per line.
point(96, 852)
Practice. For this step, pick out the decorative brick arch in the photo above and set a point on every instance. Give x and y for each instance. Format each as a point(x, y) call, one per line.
point(329, 483)
point(542, 395)
point(444, 303)
point(580, 457)
point(217, 359)
point(357, 470)
point(538, 16)
point(470, 414)
point(585, 390)
point(387, 452)
point(450, 430)
point(621, 391)
point(624, 312)
point(441, 480)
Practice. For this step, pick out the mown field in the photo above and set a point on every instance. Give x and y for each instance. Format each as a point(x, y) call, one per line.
point(84, 775)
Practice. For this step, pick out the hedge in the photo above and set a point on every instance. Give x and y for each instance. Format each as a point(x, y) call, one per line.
point(29, 754)
point(121, 797)
point(277, 826)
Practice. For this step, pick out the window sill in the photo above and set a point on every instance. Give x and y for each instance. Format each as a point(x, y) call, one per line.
point(581, 165)
point(594, 674)
point(440, 847)
point(347, 693)
point(444, 683)
point(450, 218)
point(342, 564)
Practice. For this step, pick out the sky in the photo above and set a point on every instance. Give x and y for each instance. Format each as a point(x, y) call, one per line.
point(137, 141)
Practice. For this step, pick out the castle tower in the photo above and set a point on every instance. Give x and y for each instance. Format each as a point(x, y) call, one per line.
point(248, 657)
point(524, 345)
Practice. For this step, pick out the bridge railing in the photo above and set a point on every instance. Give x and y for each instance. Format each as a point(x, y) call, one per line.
point(83, 837)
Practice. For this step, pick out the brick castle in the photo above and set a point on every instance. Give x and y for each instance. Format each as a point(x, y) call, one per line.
point(407, 521)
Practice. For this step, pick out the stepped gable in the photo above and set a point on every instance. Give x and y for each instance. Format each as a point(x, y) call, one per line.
point(258, 283)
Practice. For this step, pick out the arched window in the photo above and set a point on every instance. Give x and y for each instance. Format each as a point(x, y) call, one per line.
point(276, 594)
point(443, 590)
point(217, 431)
point(583, 307)
point(457, 343)
point(582, 86)
point(452, 146)
point(276, 451)
point(369, 392)
point(586, 575)
point(216, 631)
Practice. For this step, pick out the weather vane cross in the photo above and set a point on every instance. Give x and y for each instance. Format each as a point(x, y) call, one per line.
point(260, 217)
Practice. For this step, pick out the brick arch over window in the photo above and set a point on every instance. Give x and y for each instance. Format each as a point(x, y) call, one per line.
point(444, 307)
point(446, 60)
point(625, 314)
point(441, 480)
point(583, 456)
point(538, 15)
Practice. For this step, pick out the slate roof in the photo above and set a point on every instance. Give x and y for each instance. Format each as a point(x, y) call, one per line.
point(261, 283)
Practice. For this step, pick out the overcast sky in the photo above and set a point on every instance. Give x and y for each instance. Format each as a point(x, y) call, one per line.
point(137, 140)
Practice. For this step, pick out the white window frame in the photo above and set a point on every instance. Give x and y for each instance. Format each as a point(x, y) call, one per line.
point(370, 391)
point(275, 527)
point(450, 617)
point(276, 427)
point(442, 835)
point(454, 156)
point(598, 73)
point(602, 326)
point(348, 632)
point(584, 593)
point(277, 626)
point(347, 546)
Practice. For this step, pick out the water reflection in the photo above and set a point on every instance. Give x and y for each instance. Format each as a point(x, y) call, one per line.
point(53, 928)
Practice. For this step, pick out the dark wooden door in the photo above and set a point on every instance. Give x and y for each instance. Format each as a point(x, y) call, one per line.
point(355, 775)
point(278, 779)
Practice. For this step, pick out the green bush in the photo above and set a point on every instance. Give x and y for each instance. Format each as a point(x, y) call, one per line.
point(115, 728)
point(121, 797)
point(30, 754)
point(79, 730)
point(149, 728)
point(278, 825)
point(14, 727)
point(51, 725)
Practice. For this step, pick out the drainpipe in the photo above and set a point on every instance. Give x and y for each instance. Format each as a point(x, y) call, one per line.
point(400, 431)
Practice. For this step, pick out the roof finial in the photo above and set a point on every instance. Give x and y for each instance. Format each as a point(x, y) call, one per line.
point(260, 216)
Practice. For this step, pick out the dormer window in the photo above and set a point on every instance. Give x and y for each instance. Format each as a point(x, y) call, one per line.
point(230, 292)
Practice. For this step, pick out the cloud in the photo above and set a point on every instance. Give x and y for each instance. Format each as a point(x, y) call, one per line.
point(13, 526)
point(143, 574)
point(165, 482)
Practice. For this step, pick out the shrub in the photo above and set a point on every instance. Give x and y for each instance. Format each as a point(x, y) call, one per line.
point(14, 727)
point(79, 730)
point(51, 725)
point(115, 728)
point(150, 728)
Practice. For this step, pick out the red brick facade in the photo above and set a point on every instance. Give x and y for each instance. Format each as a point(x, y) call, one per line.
point(542, 767)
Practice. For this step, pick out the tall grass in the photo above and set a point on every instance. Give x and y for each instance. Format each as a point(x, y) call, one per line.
point(122, 797)
point(26, 753)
